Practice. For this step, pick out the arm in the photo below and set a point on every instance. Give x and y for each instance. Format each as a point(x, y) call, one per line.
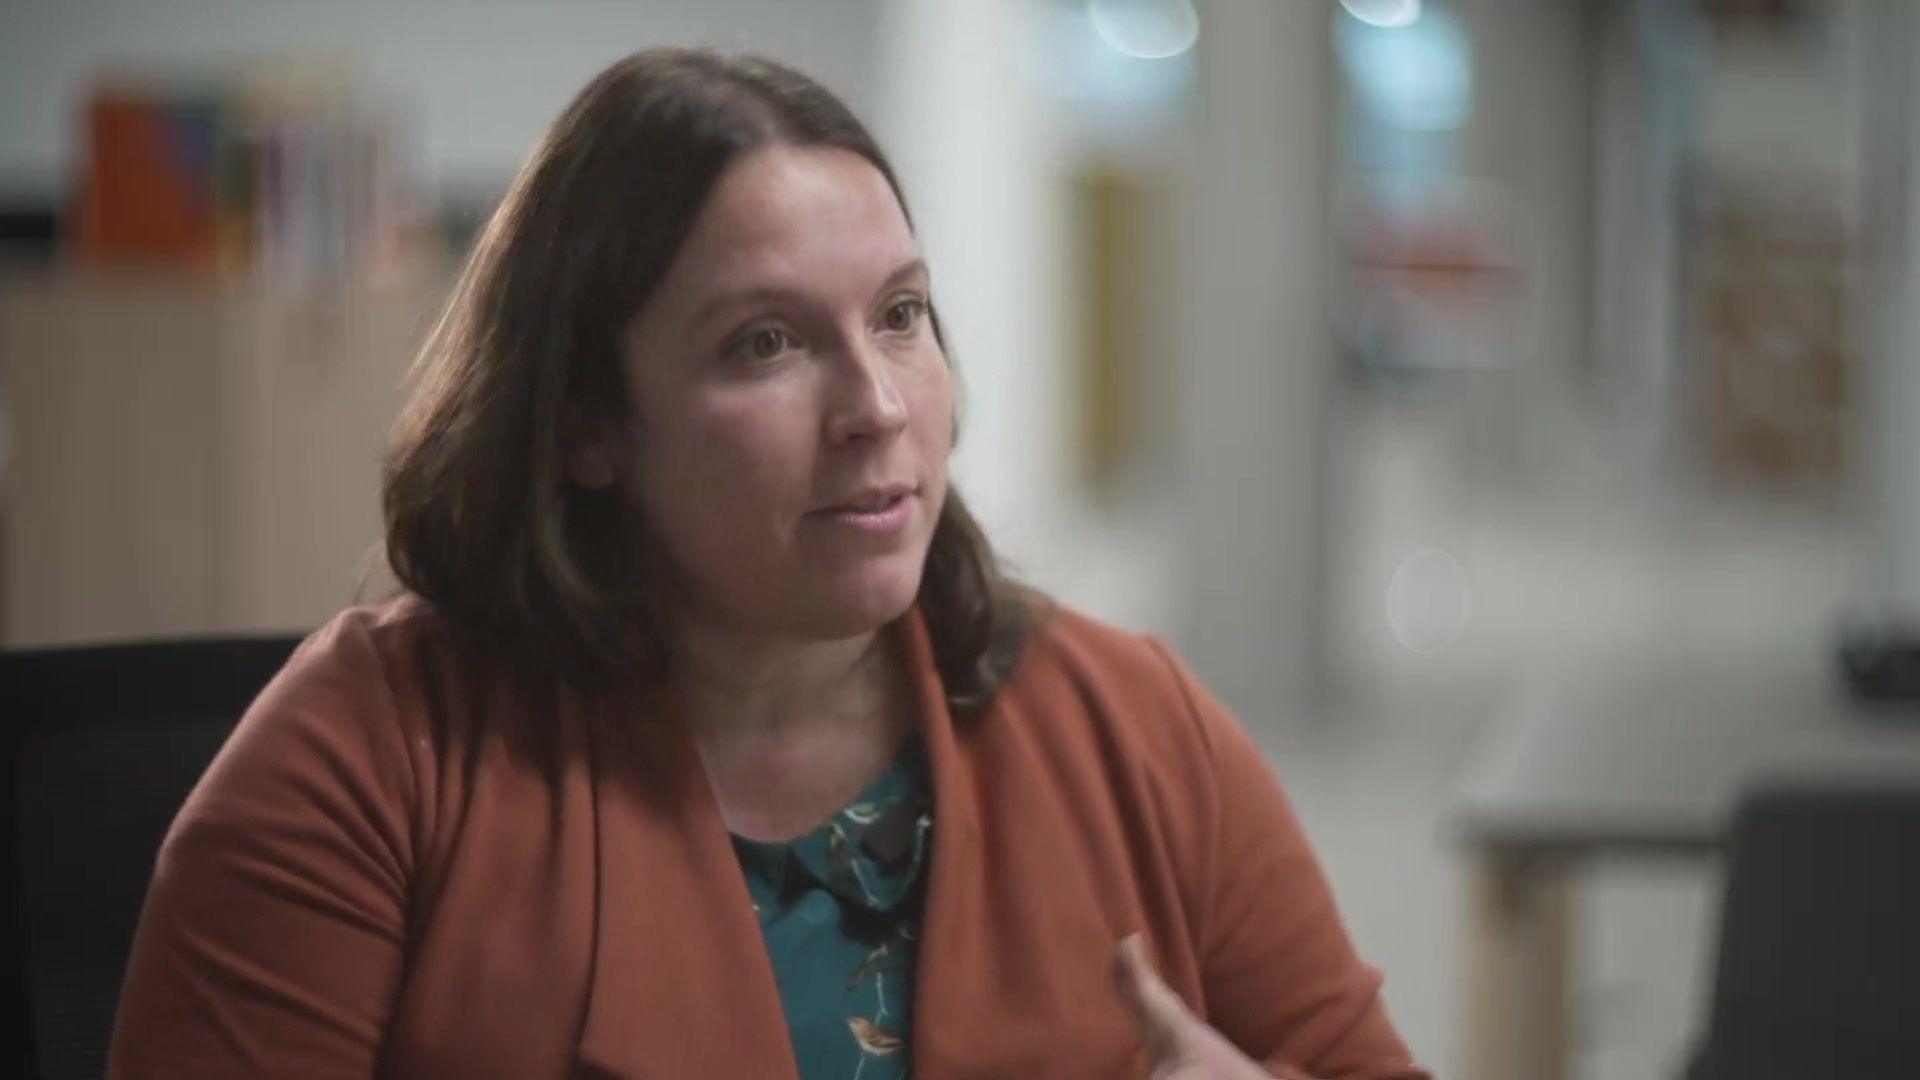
point(1281, 977)
point(272, 936)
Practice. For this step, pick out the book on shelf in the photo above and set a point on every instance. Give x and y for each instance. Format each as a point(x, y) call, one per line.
point(287, 178)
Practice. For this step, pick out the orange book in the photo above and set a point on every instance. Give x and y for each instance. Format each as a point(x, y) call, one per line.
point(150, 191)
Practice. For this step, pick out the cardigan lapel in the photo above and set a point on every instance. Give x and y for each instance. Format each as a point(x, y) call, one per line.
point(948, 1012)
point(1014, 971)
point(681, 983)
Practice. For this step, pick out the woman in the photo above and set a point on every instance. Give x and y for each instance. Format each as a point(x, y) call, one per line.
point(706, 740)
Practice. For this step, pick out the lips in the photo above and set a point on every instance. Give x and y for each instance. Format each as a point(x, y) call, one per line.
point(870, 500)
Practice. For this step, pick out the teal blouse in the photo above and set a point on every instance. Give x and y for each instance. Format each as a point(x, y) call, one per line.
point(840, 911)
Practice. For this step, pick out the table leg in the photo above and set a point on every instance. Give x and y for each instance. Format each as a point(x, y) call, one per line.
point(1517, 967)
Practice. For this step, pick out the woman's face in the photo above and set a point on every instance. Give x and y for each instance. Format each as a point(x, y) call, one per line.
point(792, 411)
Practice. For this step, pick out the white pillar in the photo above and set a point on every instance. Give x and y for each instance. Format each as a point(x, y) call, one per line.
point(1255, 373)
point(961, 110)
point(1643, 80)
point(1888, 405)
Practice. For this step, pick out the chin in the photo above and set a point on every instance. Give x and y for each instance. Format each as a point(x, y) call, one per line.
point(868, 601)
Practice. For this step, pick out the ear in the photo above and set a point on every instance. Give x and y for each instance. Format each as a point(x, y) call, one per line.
point(591, 450)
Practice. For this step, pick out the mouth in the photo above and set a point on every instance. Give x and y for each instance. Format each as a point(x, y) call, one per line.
point(881, 514)
point(871, 501)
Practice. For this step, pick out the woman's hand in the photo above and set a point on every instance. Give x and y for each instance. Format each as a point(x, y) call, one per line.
point(1182, 1045)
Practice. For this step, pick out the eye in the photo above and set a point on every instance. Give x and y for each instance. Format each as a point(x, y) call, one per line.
point(904, 314)
point(766, 343)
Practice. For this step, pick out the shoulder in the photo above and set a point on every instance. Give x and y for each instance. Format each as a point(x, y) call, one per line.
point(1067, 637)
point(1130, 677)
point(1114, 725)
point(413, 691)
point(372, 638)
point(331, 752)
point(345, 688)
point(1119, 693)
point(393, 656)
point(360, 700)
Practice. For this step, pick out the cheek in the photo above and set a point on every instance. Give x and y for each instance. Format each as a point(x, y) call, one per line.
point(755, 446)
point(757, 438)
point(930, 404)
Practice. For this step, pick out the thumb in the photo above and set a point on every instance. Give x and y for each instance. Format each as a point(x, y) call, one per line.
point(1165, 1024)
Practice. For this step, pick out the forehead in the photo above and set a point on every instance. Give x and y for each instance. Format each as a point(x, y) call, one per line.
point(794, 212)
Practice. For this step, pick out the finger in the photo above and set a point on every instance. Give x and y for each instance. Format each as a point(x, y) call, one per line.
point(1165, 1024)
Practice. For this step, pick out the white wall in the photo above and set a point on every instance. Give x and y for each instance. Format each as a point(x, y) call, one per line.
point(480, 78)
point(1786, 106)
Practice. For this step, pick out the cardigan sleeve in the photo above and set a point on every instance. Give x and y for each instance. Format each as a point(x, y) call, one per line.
point(271, 939)
point(1280, 974)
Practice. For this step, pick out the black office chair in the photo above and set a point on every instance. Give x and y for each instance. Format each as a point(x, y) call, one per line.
point(102, 745)
point(1818, 972)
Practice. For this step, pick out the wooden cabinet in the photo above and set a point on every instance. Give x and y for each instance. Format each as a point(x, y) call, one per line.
point(183, 458)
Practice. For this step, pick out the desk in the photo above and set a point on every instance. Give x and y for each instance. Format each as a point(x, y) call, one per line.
point(1652, 762)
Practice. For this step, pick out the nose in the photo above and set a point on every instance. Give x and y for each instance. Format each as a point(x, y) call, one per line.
point(865, 403)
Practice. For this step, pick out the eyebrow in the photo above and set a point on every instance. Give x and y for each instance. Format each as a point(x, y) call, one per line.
point(914, 267)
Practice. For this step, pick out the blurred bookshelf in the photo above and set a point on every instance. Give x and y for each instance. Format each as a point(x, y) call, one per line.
point(288, 172)
point(203, 342)
point(185, 455)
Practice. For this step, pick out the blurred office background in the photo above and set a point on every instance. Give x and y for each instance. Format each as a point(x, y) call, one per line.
point(1399, 360)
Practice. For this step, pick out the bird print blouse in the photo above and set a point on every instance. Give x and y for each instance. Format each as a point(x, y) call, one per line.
point(839, 908)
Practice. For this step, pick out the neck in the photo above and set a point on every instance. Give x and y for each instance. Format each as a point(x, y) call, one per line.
point(744, 684)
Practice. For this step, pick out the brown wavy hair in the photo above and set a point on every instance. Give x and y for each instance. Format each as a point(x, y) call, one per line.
point(481, 518)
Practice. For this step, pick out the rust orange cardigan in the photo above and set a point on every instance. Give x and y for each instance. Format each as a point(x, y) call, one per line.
point(398, 867)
